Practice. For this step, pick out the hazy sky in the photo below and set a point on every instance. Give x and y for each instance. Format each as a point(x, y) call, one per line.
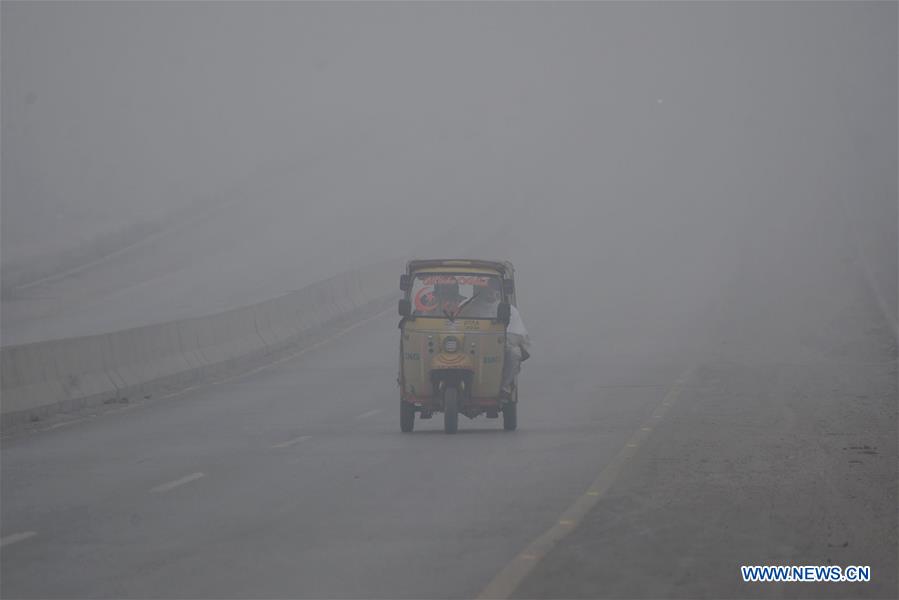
point(709, 134)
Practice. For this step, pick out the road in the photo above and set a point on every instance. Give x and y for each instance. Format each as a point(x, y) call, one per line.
point(294, 481)
point(736, 406)
point(308, 488)
point(736, 409)
point(699, 201)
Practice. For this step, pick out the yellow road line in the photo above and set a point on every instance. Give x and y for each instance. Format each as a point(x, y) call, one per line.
point(510, 577)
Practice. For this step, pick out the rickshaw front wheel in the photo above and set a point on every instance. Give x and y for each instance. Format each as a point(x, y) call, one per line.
point(450, 410)
point(407, 417)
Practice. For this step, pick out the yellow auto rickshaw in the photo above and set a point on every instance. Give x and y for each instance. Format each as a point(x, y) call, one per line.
point(453, 341)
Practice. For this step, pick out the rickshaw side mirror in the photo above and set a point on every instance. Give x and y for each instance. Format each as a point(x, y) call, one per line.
point(405, 282)
point(405, 307)
point(508, 287)
point(504, 313)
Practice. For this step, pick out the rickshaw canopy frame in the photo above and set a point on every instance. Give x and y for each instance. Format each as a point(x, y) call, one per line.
point(503, 267)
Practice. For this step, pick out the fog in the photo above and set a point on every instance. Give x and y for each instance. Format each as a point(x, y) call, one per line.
point(681, 176)
point(700, 200)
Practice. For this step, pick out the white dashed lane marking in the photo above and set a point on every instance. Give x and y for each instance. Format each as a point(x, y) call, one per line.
point(289, 443)
point(16, 537)
point(165, 487)
point(368, 414)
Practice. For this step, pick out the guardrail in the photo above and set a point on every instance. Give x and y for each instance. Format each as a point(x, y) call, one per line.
point(43, 378)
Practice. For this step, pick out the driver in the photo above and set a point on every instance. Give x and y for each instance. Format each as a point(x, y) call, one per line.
point(448, 296)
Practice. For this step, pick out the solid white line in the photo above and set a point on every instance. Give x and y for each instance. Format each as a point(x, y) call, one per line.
point(16, 537)
point(165, 487)
point(292, 442)
point(368, 414)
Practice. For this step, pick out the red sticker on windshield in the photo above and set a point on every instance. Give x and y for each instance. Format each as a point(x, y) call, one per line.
point(425, 301)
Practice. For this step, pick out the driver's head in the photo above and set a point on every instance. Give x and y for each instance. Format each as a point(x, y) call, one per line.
point(447, 290)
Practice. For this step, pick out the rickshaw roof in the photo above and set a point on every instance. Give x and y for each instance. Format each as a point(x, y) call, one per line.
point(505, 268)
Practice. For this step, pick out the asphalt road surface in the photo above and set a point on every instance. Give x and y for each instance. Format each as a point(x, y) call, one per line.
point(294, 481)
point(674, 426)
point(684, 413)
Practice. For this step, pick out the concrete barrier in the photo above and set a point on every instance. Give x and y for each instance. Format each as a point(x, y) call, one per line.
point(44, 378)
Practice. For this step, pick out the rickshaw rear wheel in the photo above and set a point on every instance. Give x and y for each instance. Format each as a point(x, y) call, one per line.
point(450, 410)
point(407, 417)
point(510, 416)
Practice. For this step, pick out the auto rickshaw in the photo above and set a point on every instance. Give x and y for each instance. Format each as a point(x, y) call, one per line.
point(453, 341)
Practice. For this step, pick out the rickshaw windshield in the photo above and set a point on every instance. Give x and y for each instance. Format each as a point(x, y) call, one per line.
point(452, 295)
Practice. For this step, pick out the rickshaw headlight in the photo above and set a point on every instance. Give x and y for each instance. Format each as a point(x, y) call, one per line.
point(450, 344)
